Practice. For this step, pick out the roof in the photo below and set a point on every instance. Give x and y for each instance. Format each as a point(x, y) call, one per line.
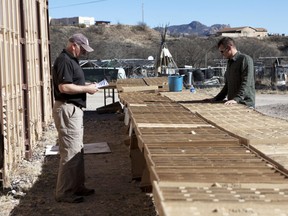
point(239, 29)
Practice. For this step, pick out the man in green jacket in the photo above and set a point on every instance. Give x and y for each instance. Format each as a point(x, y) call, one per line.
point(239, 76)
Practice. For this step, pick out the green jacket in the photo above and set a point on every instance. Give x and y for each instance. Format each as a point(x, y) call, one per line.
point(239, 81)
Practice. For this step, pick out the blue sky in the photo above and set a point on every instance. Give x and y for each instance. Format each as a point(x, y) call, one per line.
point(268, 14)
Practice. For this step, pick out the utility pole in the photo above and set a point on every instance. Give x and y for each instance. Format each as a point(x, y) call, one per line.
point(142, 12)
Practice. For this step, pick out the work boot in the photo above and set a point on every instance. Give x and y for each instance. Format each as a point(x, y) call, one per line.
point(70, 199)
point(85, 192)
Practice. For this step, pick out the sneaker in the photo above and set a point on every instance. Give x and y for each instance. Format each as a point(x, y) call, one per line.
point(70, 199)
point(85, 192)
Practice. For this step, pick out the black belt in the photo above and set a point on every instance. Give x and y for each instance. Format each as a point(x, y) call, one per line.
point(71, 102)
point(75, 104)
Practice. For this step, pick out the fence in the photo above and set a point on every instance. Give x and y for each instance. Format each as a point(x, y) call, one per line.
point(25, 80)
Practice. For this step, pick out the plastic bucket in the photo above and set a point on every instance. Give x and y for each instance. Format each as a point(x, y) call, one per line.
point(175, 83)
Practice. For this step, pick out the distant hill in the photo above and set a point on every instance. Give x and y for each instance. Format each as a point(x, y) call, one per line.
point(194, 28)
point(140, 41)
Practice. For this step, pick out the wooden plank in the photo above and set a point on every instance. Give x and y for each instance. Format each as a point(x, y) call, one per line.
point(188, 207)
point(138, 88)
point(205, 198)
point(159, 125)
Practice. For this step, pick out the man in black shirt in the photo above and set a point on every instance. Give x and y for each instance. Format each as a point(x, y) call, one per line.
point(70, 97)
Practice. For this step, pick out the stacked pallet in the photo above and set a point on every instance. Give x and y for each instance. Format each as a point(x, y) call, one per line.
point(197, 167)
point(143, 84)
point(263, 134)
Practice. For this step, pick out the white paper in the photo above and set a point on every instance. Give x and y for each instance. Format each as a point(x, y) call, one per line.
point(102, 83)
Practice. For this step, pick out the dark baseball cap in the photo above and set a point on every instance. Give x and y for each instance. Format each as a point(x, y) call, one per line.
point(82, 41)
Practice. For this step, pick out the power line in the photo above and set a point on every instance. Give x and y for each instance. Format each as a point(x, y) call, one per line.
point(77, 4)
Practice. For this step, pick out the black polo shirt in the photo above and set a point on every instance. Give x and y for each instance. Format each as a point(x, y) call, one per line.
point(66, 69)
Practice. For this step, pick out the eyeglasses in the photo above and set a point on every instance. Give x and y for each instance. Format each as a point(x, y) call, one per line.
point(222, 51)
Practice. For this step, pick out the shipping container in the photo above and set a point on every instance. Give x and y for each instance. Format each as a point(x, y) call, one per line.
point(25, 80)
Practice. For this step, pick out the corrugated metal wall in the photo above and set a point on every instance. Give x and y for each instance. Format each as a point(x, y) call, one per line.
point(25, 80)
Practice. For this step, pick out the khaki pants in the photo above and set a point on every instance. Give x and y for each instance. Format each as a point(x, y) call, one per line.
point(69, 123)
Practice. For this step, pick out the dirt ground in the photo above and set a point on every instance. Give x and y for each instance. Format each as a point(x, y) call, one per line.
point(32, 190)
point(109, 174)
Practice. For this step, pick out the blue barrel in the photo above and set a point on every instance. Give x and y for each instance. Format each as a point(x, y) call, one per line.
point(175, 83)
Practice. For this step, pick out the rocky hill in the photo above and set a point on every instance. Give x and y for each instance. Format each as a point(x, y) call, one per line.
point(130, 42)
point(195, 28)
point(110, 42)
point(123, 41)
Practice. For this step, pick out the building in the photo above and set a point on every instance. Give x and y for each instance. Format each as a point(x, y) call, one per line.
point(88, 21)
point(100, 22)
point(245, 31)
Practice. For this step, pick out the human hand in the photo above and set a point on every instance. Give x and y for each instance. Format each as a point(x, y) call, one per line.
point(229, 102)
point(92, 88)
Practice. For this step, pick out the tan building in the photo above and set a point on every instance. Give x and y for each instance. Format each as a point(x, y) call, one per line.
point(245, 31)
point(88, 21)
